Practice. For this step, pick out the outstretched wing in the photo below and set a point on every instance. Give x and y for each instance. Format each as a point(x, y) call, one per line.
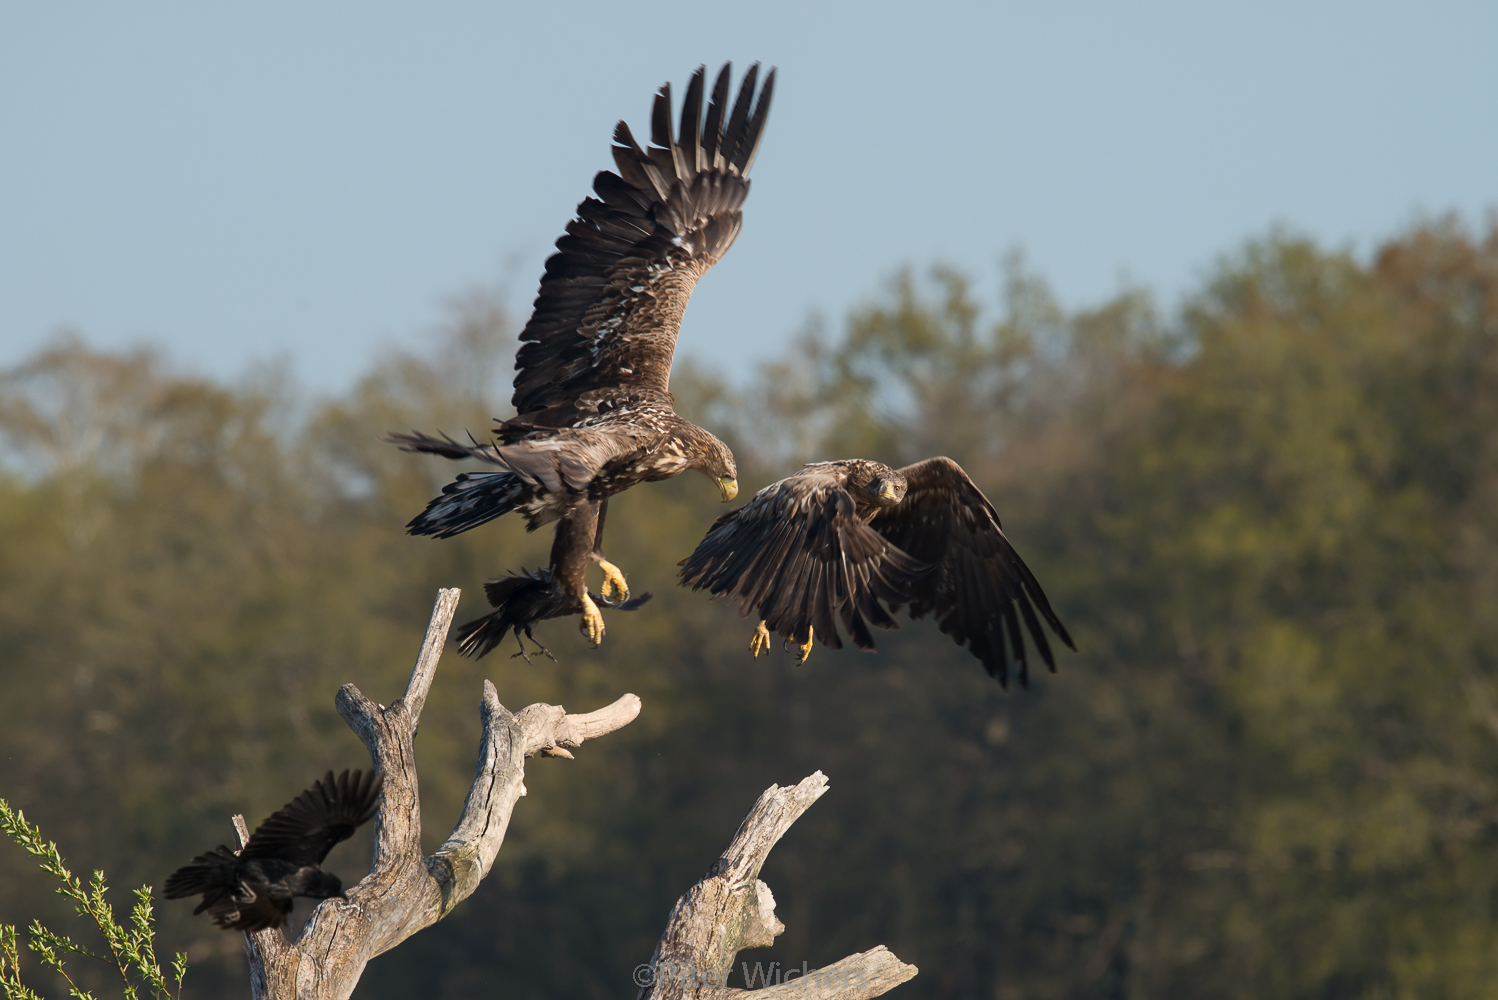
point(305, 829)
point(613, 295)
point(980, 588)
point(801, 557)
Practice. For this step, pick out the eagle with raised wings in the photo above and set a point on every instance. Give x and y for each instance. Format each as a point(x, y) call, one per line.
point(593, 409)
point(840, 540)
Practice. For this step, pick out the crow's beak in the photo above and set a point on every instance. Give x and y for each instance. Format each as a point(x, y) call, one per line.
point(729, 487)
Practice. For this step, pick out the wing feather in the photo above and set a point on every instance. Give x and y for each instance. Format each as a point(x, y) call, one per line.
point(712, 129)
point(612, 297)
point(691, 124)
point(980, 588)
point(305, 829)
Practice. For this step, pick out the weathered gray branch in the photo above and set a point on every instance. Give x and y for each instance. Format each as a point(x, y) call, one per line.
point(731, 909)
point(403, 891)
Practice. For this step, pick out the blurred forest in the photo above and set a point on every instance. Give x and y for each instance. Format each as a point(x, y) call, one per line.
point(1270, 519)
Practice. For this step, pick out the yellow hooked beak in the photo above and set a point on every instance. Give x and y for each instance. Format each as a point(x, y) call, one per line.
point(729, 488)
point(888, 492)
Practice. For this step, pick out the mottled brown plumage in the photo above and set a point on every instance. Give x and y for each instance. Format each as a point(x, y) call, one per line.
point(830, 543)
point(594, 413)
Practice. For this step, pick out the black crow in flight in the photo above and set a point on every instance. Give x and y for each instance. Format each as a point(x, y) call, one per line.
point(253, 890)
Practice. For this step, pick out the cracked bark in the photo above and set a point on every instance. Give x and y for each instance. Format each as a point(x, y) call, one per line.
point(730, 909)
point(405, 892)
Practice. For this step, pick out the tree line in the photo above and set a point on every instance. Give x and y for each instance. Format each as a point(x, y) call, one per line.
point(1269, 517)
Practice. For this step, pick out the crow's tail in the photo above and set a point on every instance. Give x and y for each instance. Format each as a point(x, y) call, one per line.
point(520, 602)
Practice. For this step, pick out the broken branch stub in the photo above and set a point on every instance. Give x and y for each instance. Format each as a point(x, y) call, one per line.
point(403, 891)
point(730, 909)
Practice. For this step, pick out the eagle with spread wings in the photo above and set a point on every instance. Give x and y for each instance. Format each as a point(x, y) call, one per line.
point(593, 409)
point(839, 541)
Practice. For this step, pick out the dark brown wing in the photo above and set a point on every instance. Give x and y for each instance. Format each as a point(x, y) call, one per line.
point(305, 829)
point(980, 588)
point(798, 554)
point(613, 295)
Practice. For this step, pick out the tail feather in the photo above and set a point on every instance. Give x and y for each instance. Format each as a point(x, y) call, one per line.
point(206, 873)
point(520, 602)
point(472, 499)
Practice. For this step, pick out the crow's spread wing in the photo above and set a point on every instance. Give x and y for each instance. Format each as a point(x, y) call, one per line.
point(305, 829)
point(799, 555)
point(980, 587)
point(612, 297)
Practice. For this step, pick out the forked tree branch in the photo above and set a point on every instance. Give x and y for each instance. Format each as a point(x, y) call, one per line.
point(403, 891)
point(731, 909)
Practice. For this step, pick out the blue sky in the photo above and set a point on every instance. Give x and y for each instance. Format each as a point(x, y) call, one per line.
point(255, 182)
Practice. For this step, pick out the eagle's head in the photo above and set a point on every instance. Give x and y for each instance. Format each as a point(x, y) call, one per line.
point(712, 458)
point(874, 485)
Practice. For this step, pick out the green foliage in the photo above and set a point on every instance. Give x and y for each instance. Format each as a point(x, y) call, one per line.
point(131, 949)
point(1269, 520)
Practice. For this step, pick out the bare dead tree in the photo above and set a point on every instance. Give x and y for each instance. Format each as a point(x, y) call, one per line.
point(405, 892)
point(730, 909)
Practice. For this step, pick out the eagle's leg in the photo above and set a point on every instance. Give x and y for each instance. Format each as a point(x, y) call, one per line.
point(804, 648)
point(592, 624)
point(571, 549)
point(760, 640)
point(615, 589)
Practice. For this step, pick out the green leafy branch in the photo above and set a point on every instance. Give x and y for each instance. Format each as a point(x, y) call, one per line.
point(131, 947)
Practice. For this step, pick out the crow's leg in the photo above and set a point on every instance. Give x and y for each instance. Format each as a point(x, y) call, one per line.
point(521, 643)
point(528, 635)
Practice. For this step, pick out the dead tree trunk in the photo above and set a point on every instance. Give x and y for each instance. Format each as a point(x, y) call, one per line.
point(731, 909)
point(403, 891)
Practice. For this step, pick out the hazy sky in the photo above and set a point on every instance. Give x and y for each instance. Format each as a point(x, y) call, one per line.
point(248, 182)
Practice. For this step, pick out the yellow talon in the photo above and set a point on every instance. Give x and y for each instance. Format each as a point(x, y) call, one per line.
point(759, 641)
point(592, 624)
point(805, 648)
point(615, 589)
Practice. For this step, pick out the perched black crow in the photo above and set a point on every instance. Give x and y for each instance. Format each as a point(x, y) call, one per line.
point(594, 414)
point(833, 541)
point(253, 890)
